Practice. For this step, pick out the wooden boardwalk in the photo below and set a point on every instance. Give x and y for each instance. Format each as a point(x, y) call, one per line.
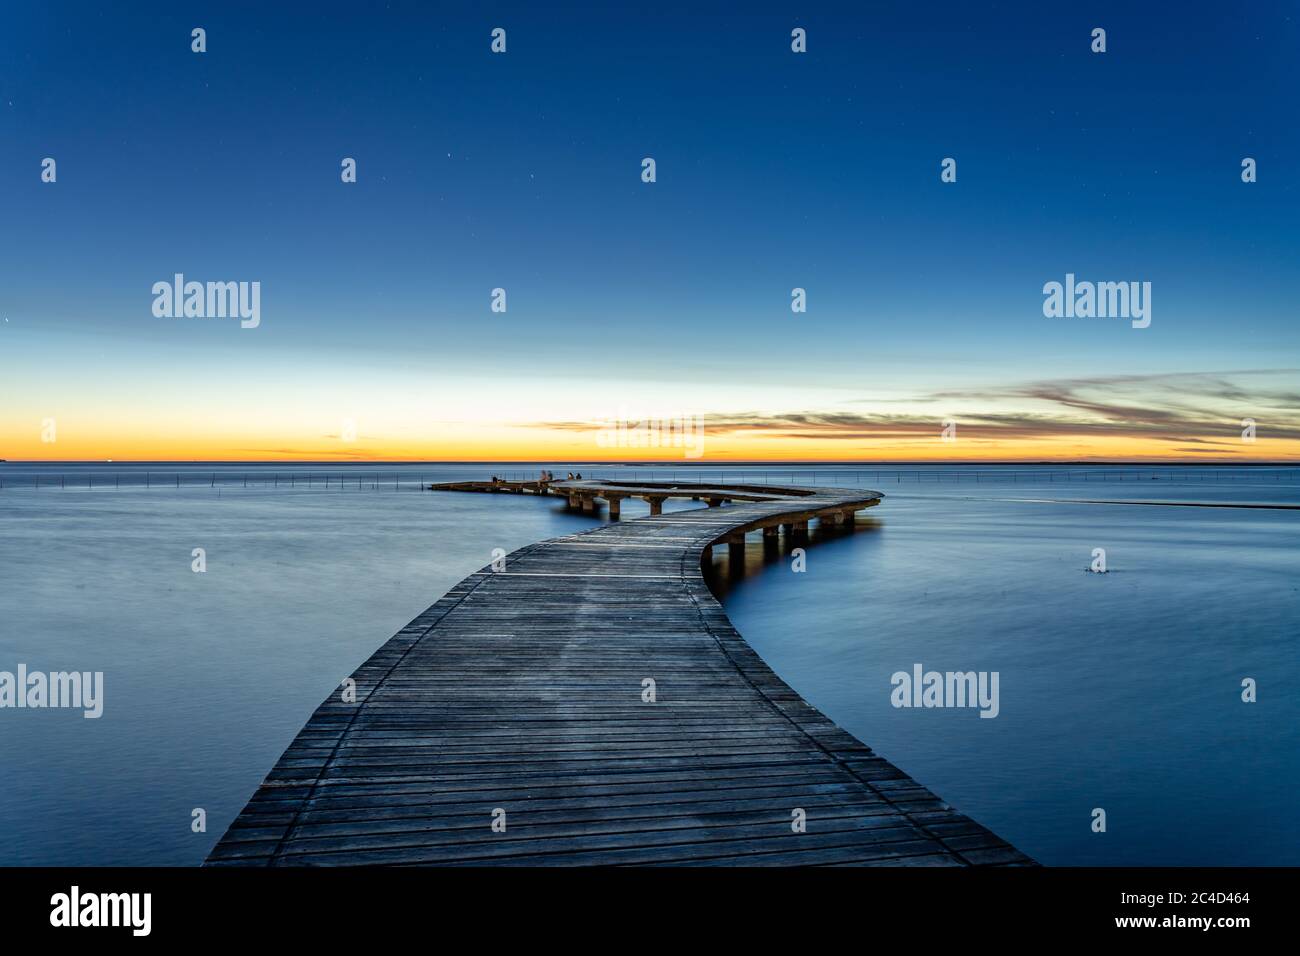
point(521, 697)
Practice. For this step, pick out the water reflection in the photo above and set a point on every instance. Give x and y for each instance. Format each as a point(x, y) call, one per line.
point(762, 552)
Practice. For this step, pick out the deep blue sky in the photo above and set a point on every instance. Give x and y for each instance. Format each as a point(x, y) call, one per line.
point(774, 170)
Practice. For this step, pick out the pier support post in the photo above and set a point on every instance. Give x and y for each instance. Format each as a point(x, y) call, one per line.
point(656, 506)
point(588, 503)
point(613, 508)
point(715, 502)
point(708, 553)
point(736, 548)
point(800, 529)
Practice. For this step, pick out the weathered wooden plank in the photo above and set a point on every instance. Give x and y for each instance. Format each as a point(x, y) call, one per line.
point(521, 691)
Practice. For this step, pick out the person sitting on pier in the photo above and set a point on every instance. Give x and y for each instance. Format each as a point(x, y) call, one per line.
point(570, 478)
point(579, 476)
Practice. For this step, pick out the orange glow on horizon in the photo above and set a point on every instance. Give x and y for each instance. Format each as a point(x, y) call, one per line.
point(521, 443)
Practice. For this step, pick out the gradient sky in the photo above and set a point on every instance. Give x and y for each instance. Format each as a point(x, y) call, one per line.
point(775, 170)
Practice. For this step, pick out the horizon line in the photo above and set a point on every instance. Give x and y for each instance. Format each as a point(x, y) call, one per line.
point(646, 463)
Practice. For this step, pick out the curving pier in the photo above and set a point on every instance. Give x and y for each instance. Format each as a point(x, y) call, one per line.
point(512, 723)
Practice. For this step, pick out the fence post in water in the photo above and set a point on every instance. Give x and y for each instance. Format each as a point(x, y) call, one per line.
point(146, 479)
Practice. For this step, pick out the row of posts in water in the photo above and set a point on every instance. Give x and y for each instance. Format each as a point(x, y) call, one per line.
point(397, 481)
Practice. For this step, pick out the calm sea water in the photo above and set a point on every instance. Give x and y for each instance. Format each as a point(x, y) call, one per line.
point(1119, 691)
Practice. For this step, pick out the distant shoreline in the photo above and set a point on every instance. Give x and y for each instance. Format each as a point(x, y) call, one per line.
point(673, 463)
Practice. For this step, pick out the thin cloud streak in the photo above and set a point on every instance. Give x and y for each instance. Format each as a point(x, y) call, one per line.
point(1177, 409)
